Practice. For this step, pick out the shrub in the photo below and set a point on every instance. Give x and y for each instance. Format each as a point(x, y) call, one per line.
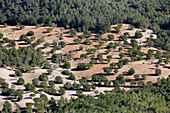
point(29, 87)
point(18, 73)
point(138, 34)
point(61, 91)
point(81, 66)
point(158, 72)
point(43, 77)
point(72, 76)
point(111, 37)
point(49, 30)
point(66, 72)
point(107, 70)
point(67, 65)
point(58, 80)
point(116, 70)
point(136, 77)
point(30, 33)
point(1, 35)
point(67, 85)
point(20, 81)
point(131, 71)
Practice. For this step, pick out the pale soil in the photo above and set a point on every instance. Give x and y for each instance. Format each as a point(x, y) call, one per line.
point(140, 67)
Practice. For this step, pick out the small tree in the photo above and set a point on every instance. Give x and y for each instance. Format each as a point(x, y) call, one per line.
point(20, 81)
point(111, 37)
point(107, 70)
point(136, 77)
point(7, 107)
point(43, 77)
point(73, 32)
point(67, 65)
point(120, 65)
point(61, 91)
point(112, 64)
point(158, 72)
point(133, 82)
point(131, 71)
point(18, 73)
point(72, 76)
point(138, 34)
point(62, 44)
point(116, 70)
point(117, 29)
point(67, 85)
point(49, 30)
point(1, 35)
point(58, 80)
point(81, 66)
point(30, 33)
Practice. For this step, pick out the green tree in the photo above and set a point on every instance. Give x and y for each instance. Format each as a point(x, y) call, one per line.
point(158, 72)
point(58, 80)
point(7, 107)
point(61, 91)
point(131, 71)
point(138, 34)
point(107, 70)
point(18, 73)
point(43, 77)
point(20, 81)
point(73, 32)
point(67, 86)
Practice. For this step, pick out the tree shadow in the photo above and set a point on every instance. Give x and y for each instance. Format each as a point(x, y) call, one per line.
point(22, 44)
point(71, 44)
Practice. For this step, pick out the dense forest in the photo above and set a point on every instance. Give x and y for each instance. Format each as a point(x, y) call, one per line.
point(90, 14)
point(150, 98)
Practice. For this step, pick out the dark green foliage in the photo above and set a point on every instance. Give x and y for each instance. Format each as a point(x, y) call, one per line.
point(20, 57)
point(66, 72)
point(117, 29)
point(43, 77)
point(58, 80)
point(29, 87)
point(61, 91)
point(67, 85)
point(1, 35)
point(111, 37)
point(158, 72)
point(67, 65)
point(131, 71)
point(138, 34)
point(72, 76)
point(20, 81)
point(73, 32)
point(62, 44)
point(81, 66)
point(107, 70)
point(7, 107)
point(30, 33)
point(18, 73)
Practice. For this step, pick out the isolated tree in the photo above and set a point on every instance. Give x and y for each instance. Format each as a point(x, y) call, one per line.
point(95, 78)
point(120, 65)
point(144, 76)
point(81, 66)
point(46, 45)
point(67, 85)
point(111, 37)
point(141, 83)
point(29, 87)
point(158, 72)
point(7, 107)
point(76, 85)
point(116, 82)
point(1, 35)
point(78, 41)
point(116, 70)
point(121, 55)
point(18, 73)
point(35, 81)
point(112, 65)
point(86, 87)
point(136, 77)
point(138, 34)
point(43, 77)
point(30, 33)
point(62, 44)
point(131, 71)
point(120, 48)
point(87, 41)
point(132, 82)
point(107, 70)
point(72, 76)
point(73, 32)
point(117, 29)
point(67, 65)
point(20, 81)
point(61, 91)
point(49, 30)
point(51, 83)
point(58, 80)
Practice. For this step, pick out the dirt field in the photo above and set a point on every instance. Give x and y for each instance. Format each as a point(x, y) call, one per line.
point(141, 67)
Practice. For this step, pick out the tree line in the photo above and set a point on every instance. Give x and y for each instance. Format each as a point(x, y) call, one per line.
point(89, 14)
